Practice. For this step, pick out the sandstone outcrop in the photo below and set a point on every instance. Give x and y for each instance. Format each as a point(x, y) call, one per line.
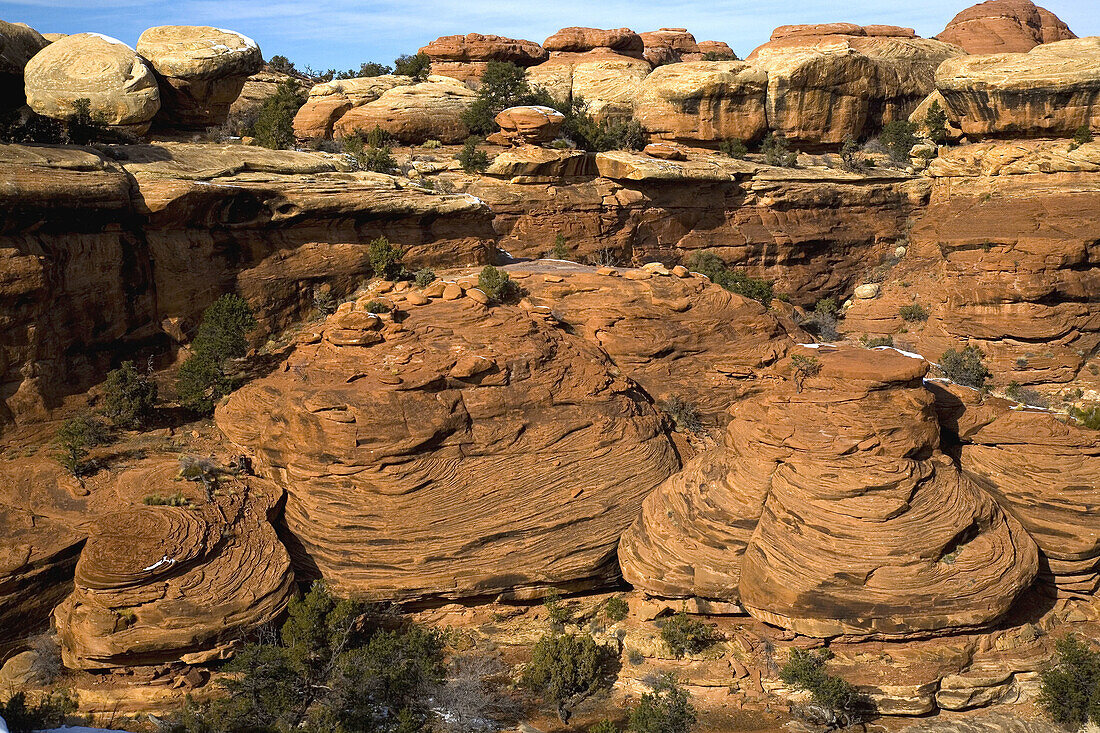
point(669, 46)
point(466, 57)
point(431, 110)
point(529, 125)
point(462, 452)
point(704, 102)
point(18, 44)
point(256, 89)
point(202, 71)
point(830, 511)
point(328, 101)
point(1049, 91)
point(1004, 26)
point(581, 40)
point(107, 72)
point(721, 49)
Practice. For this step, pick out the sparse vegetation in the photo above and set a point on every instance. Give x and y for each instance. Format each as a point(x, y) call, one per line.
point(424, 277)
point(807, 366)
point(836, 702)
point(558, 613)
point(601, 136)
point(876, 341)
point(935, 123)
point(385, 259)
point(1088, 416)
point(502, 85)
point(282, 64)
point(470, 158)
point(1070, 687)
point(913, 313)
point(274, 126)
point(50, 711)
point(128, 396)
point(176, 499)
point(616, 609)
point(560, 250)
point(566, 668)
point(418, 66)
point(1025, 395)
point(735, 281)
point(377, 306)
point(495, 283)
point(777, 152)
point(667, 709)
point(74, 439)
point(734, 148)
point(377, 160)
point(898, 138)
point(684, 635)
point(966, 367)
point(222, 336)
point(851, 159)
point(604, 726)
point(683, 413)
point(822, 323)
point(1082, 135)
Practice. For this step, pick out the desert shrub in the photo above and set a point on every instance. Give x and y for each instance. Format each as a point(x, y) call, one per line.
point(599, 136)
point(222, 335)
point(376, 137)
point(373, 68)
point(837, 701)
point(556, 611)
point(616, 608)
point(560, 250)
point(85, 126)
point(495, 283)
point(603, 726)
point(176, 499)
point(336, 665)
point(685, 635)
point(667, 709)
point(1025, 395)
point(733, 280)
point(1082, 135)
point(807, 366)
point(1069, 689)
point(822, 323)
point(966, 367)
point(898, 138)
point(128, 396)
point(378, 160)
point(418, 66)
point(1089, 416)
point(473, 697)
point(274, 126)
point(871, 343)
point(377, 306)
point(734, 148)
point(565, 668)
point(935, 123)
point(431, 144)
point(353, 145)
point(424, 277)
point(50, 711)
point(777, 152)
point(470, 158)
point(502, 85)
point(73, 440)
point(913, 313)
point(683, 413)
point(282, 64)
point(47, 665)
point(385, 259)
point(31, 127)
point(605, 257)
point(851, 159)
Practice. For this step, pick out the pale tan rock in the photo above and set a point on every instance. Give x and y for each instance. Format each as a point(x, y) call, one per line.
point(103, 70)
point(680, 271)
point(609, 82)
point(452, 291)
point(867, 290)
point(417, 299)
point(637, 274)
point(478, 296)
point(529, 163)
point(431, 110)
point(18, 44)
point(435, 289)
point(529, 125)
point(329, 101)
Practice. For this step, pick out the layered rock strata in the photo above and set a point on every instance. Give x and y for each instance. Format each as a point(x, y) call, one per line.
point(1004, 26)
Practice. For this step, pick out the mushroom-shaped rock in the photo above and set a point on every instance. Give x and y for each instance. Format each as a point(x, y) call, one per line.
point(105, 71)
point(830, 511)
point(529, 125)
point(1052, 90)
point(203, 71)
point(156, 583)
point(580, 40)
point(18, 44)
point(1004, 26)
point(668, 45)
point(466, 57)
point(414, 113)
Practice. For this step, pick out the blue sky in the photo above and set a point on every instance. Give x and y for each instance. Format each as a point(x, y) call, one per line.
point(341, 34)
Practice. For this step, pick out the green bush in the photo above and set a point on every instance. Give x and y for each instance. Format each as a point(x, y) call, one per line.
point(128, 396)
point(1082, 135)
point(470, 158)
point(432, 145)
point(734, 148)
point(222, 335)
point(913, 312)
point(282, 64)
point(378, 160)
point(840, 703)
point(86, 127)
point(898, 138)
point(871, 343)
point(935, 123)
point(966, 367)
point(684, 414)
point(495, 283)
point(201, 382)
point(565, 668)
point(1070, 689)
point(851, 159)
point(376, 137)
point(1089, 416)
point(735, 281)
point(385, 259)
point(604, 726)
point(667, 709)
point(502, 85)
point(274, 126)
point(601, 136)
point(418, 66)
point(369, 69)
point(616, 609)
point(51, 711)
point(560, 250)
point(685, 635)
point(377, 306)
point(808, 366)
point(176, 499)
point(776, 151)
point(424, 277)
point(74, 439)
point(556, 611)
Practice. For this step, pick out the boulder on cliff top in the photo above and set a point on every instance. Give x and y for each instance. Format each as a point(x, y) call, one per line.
point(329, 101)
point(107, 72)
point(1004, 26)
point(1051, 90)
point(580, 40)
point(529, 125)
point(430, 110)
point(18, 44)
point(466, 57)
point(668, 45)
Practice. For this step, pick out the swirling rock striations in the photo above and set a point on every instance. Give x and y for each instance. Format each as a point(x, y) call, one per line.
point(431, 110)
point(830, 511)
point(1004, 26)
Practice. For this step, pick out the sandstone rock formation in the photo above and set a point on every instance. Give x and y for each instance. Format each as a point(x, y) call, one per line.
point(830, 511)
point(256, 89)
point(202, 71)
point(462, 452)
point(1004, 26)
point(670, 46)
point(1049, 91)
point(704, 102)
point(466, 57)
point(431, 110)
point(102, 70)
point(327, 102)
point(529, 125)
point(18, 44)
point(581, 40)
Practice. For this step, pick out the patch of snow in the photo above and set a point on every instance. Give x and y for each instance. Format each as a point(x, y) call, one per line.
point(910, 354)
point(164, 561)
point(3, 726)
point(816, 346)
point(108, 39)
point(247, 41)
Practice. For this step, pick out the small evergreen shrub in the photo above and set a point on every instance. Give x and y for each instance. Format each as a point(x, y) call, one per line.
point(851, 159)
point(385, 259)
point(966, 367)
point(898, 138)
point(377, 306)
point(777, 152)
point(667, 709)
point(565, 668)
point(128, 396)
point(1089, 416)
point(604, 726)
point(432, 145)
point(935, 123)
point(735, 281)
point(684, 414)
point(871, 343)
point(1082, 135)
point(734, 148)
point(222, 335)
point(838, 701)
point(74, 439)
point(377, 138)
point(282, 65)
point(684, 635)
point(378, 160)
point(274, 126)
point(424, 277)
point(807, 366)
point(470, 158)
point(913, 313)
point(560, 250)
point(1025, 395)
point(616, 609)
point(556, 611)
point(1069, 690)
point(51, 711)
point(495, 283)
point(418, 66)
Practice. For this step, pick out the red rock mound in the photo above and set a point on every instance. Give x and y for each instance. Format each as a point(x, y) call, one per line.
point(465, 57)
point(1004, 26)
point(580, 40)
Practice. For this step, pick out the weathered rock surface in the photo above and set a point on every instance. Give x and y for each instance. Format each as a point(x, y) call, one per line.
point(580, 40)
point(383, 436)
point(858, 528)
point(154, 584)
point(102, 70)
point(18, 44)
point(466, 57)
point(529, 125)
point(1051, 90)
point(704, 102)
point(431, 110)
point(328, 101)
point(1004, 26)
point(202, 71)
point(256, 89)
point(608, 80)
point(673, 45)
